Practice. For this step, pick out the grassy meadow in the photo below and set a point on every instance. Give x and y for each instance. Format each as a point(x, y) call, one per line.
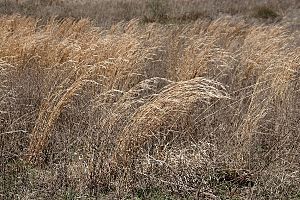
point(152, 99)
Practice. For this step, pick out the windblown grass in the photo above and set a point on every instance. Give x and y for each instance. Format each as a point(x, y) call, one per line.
point(207, 109)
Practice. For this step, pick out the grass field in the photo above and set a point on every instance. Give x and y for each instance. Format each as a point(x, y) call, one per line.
point(150, 99)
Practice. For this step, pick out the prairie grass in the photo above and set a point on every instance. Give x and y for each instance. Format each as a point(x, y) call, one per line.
point(107, 12)
point(203, 110)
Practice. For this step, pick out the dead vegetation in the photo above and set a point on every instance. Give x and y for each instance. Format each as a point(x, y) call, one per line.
point(203, 110)
point(107, 12)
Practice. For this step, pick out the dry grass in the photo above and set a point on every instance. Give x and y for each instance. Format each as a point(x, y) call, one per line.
point(107, 12)
point(206, 109)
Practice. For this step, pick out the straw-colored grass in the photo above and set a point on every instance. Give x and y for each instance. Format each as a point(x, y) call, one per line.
point(202, 110)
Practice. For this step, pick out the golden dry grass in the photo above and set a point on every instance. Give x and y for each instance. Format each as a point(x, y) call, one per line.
point(207, 109)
